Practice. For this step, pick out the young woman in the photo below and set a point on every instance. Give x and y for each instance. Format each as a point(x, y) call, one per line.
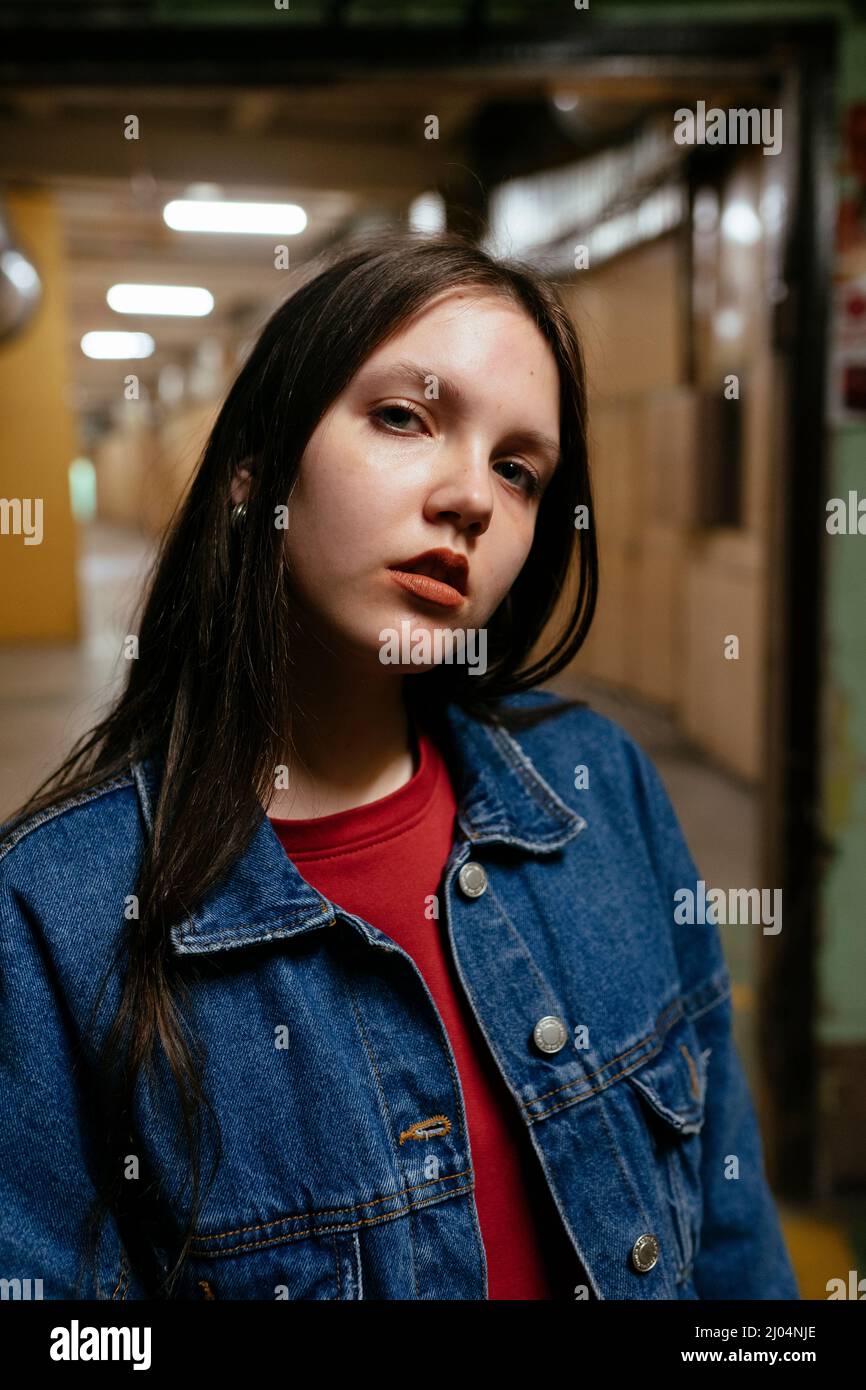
point(336, 964)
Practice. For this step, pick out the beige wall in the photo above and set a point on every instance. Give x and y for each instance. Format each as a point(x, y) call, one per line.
point(629, 322)
point(679, 575)
point(143, 470)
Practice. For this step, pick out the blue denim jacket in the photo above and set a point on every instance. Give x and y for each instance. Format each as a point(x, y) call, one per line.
point(558, 904)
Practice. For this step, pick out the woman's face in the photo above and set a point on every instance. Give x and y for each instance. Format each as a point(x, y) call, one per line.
point(445, 439)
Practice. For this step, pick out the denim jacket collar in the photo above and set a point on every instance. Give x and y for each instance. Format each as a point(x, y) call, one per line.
point(501, 799)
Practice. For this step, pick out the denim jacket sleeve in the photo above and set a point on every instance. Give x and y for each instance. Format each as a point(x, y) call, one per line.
point(742, 1250)
point(46, 1182)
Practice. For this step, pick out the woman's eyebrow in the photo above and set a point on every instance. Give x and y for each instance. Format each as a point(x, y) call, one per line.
point(418, 375)
point(534, 439)
point(449, 390)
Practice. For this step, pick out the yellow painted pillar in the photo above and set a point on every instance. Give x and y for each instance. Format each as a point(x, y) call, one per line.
point(38, 440)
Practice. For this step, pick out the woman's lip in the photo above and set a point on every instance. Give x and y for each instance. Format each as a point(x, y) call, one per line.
point(422, 586)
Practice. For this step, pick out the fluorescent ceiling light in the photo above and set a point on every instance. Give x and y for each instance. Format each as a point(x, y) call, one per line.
point(199, 215)
point(741, 223)
point(427, 212)
point(728, 323)
point(117, 345)
point(188, 300)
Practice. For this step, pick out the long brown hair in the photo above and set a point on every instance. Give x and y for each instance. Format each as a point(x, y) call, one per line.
point(211, 690)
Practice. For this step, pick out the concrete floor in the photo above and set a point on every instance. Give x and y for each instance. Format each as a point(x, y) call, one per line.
point(51, 694)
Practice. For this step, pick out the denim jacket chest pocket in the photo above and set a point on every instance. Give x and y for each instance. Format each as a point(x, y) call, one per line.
point(669, 1096)
point(256, 1263)
point(333, 1180)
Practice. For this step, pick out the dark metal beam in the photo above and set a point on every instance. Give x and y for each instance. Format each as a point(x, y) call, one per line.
point(153, 54)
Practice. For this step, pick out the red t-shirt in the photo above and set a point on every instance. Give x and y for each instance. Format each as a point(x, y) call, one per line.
point(381, 861)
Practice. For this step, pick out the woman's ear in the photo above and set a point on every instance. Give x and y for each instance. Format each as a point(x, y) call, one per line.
point(240, 484)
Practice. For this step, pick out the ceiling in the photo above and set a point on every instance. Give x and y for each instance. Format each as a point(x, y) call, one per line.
point(351, 149)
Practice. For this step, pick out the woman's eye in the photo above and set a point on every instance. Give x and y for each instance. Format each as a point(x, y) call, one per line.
point(524, 478)
point(397, 410)
point(527, 479)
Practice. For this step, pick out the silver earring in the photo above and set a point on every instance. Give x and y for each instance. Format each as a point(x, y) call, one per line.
point(238, 514)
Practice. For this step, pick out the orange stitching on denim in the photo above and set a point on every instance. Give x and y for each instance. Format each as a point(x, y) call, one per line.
point(122, 1276)
point(421, 1128)
point(573, 1100)
point(454, 1079)
point(568, 1085)
point(693, 1072)
point(206, 1289)
point(596, 1089)
point(331, 1211)
point(329, 1230)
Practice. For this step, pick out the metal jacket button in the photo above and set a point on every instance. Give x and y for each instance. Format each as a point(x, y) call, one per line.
point(645, 1252)
point(472, 880)
point(550, 1034)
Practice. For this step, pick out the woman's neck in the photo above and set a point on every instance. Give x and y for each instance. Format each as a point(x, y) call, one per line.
point(351, 743)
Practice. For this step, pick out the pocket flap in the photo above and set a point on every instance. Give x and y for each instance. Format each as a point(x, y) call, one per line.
point(673, 1080)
